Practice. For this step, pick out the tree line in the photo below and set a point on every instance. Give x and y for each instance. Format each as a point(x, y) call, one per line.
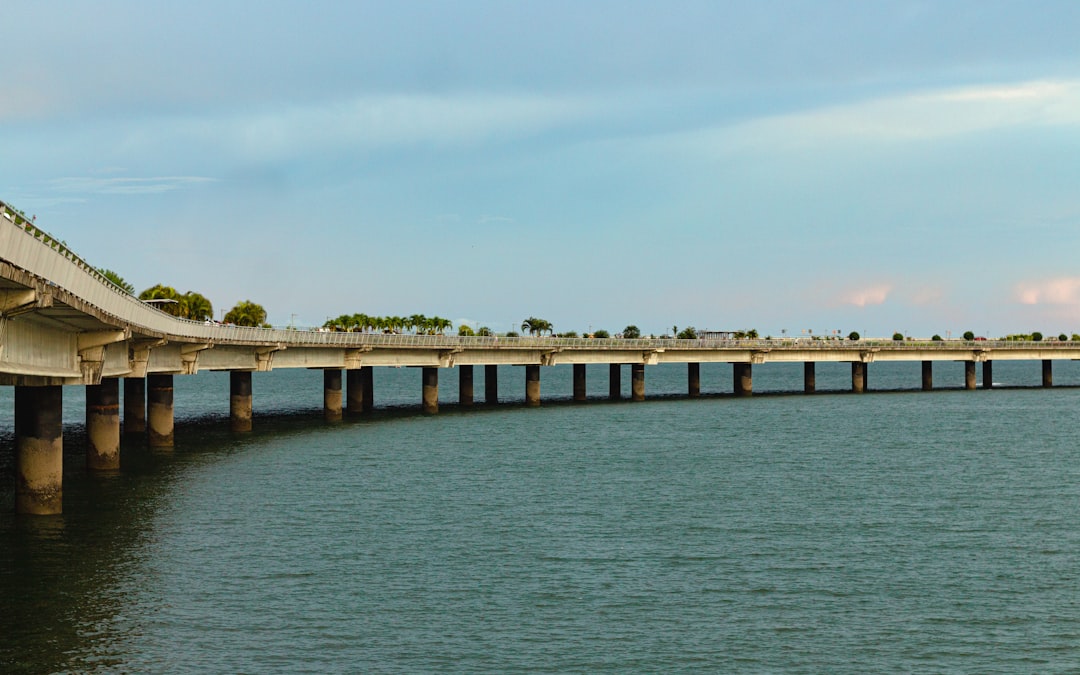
point(192, 305)
point(416, 323)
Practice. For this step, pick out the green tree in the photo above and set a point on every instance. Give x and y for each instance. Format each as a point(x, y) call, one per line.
point(969, 336)
point(1037, 336)
point(569, 334)
point(601, 334)
point(853, 335)
point(1063, 337)
point(196, 306)
point(688, 333)
point(247, 313)
point(118, 280)
point(899, 337)
point(936, 338)
point(162, 292)
point(752, 334)
point(534, 326)
point(465, 330)
point(631, 332)
point(484, 331)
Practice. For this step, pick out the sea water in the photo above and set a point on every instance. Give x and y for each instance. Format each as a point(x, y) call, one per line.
point(893, 531)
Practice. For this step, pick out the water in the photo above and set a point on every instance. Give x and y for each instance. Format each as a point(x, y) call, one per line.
point(896, 531)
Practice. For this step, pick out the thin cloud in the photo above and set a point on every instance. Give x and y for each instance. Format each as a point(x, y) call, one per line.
point(484, 220)
point(127, 186)
point(1060, 291)
point(871, 295)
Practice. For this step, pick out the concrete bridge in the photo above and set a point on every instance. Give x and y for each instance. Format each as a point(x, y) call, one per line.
point(64, 324)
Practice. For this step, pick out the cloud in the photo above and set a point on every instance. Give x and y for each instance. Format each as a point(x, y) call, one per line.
point(126, 186)
point(871, 295)
point(484, 220)
point(915, 116)
point(1060, 291)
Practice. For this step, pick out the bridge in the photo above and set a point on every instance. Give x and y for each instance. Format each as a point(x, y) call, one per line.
point(62, 323)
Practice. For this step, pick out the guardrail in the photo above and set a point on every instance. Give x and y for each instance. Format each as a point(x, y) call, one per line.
point(49, 259)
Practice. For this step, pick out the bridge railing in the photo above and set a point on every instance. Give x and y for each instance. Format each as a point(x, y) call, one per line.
point(25, 245)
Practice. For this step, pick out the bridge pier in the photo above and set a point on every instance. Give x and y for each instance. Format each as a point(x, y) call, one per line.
point(465, 386)
point(637, 381)
point(1047, 373)
point(579, 382)
point(134, 405)
point(988, 374)
point(742, 379)
point(491, 384)
point(240, 400)
point(532, 385)
point(103, 425)
point(430, 390)
point(39, 450)
point(927, 375)
point(969, 375)
point(332, 394)
point(858, 377)
point(615, 381)
point(809, 375)
point(356, 396)
point(159, 397)
point(693, 380)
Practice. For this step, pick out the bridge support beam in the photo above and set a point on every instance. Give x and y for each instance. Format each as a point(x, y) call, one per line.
point(637, 382)
point(927, 375)
point(159, 417)
point(693, 380)
point(1047, 373)
point(134, 405)
point(358, 390)
point(615, 381)
point(103, 425)
point(331, 395)
point(969, 375)
point(809, 377)
point(431, 390)
point(532, 385)
point(491, 384)
point(240, 400)
point(858, 377)
point(465, 386)
point(988, 374)
point(579, 382)
point(39, 450)
point(742, 379)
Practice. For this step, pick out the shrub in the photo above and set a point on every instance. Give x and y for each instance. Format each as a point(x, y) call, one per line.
point(511, 333)
point(936, 338)
point(601, 334)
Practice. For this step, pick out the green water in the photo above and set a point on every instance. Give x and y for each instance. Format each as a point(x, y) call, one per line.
point(890, 532)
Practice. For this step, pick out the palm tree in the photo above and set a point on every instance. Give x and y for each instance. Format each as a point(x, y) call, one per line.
point(484, 331)
point(196, 306)
point(118, 280)
point(535, 326)
point(167, 293)
point(442, 325)
point(247, 313)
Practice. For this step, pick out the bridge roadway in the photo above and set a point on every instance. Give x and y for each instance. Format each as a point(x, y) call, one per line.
point(62, 323)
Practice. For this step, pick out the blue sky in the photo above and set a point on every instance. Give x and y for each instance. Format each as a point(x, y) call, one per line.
point(785, 166)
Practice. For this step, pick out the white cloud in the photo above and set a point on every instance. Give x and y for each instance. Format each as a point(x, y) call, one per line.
point(1060, 291)
point(903, 118)
point(870, 295)
point(126, 186)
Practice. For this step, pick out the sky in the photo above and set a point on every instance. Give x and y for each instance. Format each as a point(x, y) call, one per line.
point(784, 166)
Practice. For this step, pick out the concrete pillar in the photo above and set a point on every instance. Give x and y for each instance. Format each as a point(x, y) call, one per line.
point(159, 413)
point(431, 390)
point(354, 390)
point(693, 380)
point(615, 381)
point(532, 385)
point(969, 375)
point(742, 379)
point(240, 400)
point(579, 382)
point(39, 450)
point(103, 425)
point(1047, 373)
point(491, 384)
point(637, 381)
point(927, 375)
point(858, 377)
point(134, 405)
point(809, 377)
point(331, 395)
point(465, 386)
point(988, 374)
point(367, 379)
